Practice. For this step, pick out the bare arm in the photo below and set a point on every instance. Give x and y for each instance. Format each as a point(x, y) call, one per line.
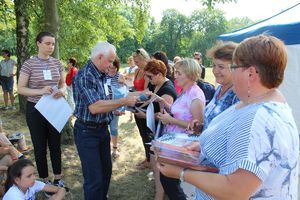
point(197, 112)
point(61, 86)
point(239, 185)
point(104, 106)
point(59, 192)
point(26, 91)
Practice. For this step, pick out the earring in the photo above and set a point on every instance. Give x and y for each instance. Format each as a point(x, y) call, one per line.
point(248, 90)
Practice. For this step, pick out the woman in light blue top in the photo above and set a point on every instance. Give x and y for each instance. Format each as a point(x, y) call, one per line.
point(224, 96)
point(255, 142)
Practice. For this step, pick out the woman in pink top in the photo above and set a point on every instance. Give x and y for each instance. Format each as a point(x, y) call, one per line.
point(190, 104)
point(187, 107)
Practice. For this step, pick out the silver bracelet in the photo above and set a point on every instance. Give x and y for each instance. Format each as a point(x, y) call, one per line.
point(181, 175)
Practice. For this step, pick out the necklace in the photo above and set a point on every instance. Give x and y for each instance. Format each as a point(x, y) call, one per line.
point(258, 98)
point(222, 93)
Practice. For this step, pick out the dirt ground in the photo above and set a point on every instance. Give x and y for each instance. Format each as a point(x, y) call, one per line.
point(127, 182)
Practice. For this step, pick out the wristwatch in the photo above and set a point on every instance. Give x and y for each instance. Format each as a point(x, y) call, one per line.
point(181, 175)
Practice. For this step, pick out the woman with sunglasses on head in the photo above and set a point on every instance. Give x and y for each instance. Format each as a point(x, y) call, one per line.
point(141, 58)
point(254, 143)
point(161, 86)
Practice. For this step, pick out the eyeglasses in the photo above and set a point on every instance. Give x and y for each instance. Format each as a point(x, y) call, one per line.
point(150, 77)
point(140, 53)
point(235, 66)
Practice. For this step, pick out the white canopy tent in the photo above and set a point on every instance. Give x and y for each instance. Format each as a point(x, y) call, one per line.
point(285, 26)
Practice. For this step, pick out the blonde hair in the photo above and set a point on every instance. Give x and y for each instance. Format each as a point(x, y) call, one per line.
point(141, 54)
point(190, 67)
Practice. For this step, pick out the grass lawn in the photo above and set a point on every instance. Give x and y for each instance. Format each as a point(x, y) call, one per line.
point(127, 183)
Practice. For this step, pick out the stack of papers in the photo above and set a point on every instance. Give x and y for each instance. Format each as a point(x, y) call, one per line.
point(170, 148)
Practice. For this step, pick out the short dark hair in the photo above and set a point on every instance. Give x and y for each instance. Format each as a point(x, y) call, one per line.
point(73, 61)
point(116, 63)
point(160, 55)
point(6, 52)
point(41, 35)
point(268, 54)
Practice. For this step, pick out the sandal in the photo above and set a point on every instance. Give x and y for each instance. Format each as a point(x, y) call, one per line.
point(115, 154)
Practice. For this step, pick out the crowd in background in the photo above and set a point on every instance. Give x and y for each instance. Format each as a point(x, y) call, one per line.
point(244, 125)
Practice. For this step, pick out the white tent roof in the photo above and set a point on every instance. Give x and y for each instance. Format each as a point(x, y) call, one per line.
point(285, 26)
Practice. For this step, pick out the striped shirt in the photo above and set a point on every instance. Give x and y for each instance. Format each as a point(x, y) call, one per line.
point(261, 138)
point(216, 106)
point(89, 87)
point(34, 69)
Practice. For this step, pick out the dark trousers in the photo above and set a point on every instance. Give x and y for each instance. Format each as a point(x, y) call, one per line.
point(146, 135)
point(43, 133)
point(93, 146)
point(172, 188)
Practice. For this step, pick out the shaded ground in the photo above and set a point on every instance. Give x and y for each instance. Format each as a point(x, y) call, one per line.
point(126, 183)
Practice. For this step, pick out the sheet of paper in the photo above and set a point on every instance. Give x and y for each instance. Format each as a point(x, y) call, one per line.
point(56, 111)
point(150, 117)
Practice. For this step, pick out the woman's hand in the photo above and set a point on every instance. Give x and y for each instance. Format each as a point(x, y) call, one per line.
point(154, 96)
point(195, 126)
point(164, 117)
point(193, 146)
point(168, 170)
point(118, 113)
point(46, 90)
point(58, 94)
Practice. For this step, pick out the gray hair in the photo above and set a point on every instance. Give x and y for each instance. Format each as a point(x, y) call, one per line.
point(102, 48)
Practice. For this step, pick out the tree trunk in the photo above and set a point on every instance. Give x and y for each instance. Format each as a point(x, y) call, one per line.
point(52, 22)
point(22, 23)
point(52, 25)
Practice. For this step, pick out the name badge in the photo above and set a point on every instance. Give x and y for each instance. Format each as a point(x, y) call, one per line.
point(108, 81)
point(47, 74)
point(106, 89)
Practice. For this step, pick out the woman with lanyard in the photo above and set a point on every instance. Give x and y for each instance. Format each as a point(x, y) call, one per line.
point(43, 75)
point(224, 96)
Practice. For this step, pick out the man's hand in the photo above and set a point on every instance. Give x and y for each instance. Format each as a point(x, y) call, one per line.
point(130, 101)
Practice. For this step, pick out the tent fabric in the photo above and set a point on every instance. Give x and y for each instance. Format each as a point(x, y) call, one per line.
point(285, 26)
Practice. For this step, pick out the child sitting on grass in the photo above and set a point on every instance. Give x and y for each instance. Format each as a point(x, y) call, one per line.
point(21, 183)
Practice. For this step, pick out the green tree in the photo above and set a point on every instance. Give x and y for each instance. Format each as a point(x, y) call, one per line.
point(22, 23)
point(211, 3)
point(172, 29)
point(237, 23)
point(207, 24)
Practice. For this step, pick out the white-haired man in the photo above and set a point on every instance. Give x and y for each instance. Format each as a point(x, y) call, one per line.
point(93, 112)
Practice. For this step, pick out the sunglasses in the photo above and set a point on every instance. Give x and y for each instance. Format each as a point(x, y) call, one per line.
point(140, 53)
point(150, 77)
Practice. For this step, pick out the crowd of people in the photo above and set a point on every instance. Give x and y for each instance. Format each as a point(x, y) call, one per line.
point(244, 127)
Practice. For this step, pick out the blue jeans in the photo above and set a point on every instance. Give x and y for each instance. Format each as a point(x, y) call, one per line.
point(113, 126)
point(93, 146)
